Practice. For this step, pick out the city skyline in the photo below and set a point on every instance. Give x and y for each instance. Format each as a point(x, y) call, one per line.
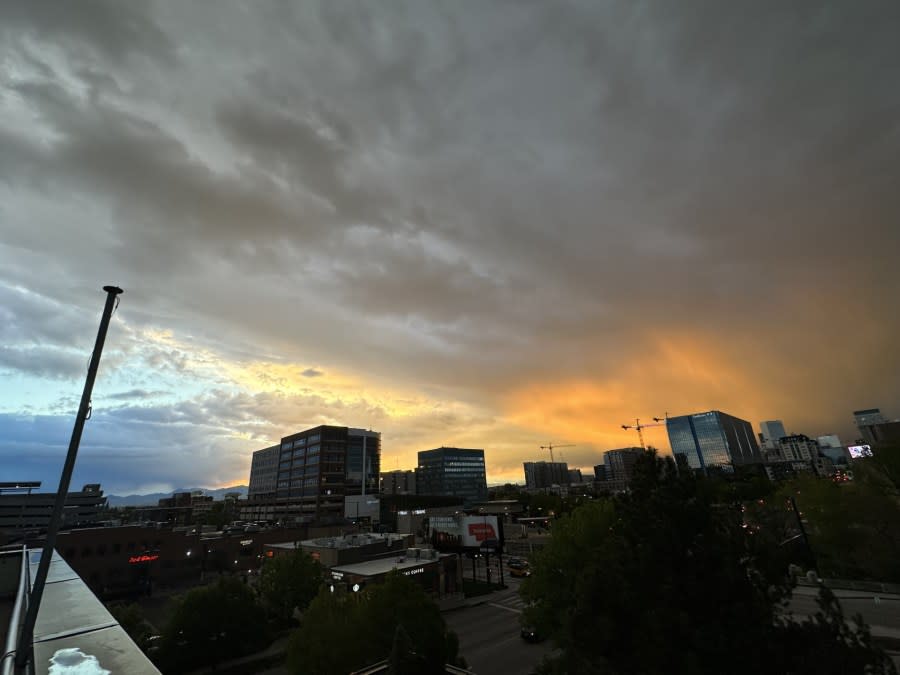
point(496, 228)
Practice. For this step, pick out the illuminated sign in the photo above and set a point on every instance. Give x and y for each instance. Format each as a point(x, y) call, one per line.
point(449, 533)
point(337, 575)
point(246, 542)
point(482, 531)
point(415, 570)
point(859, 451)
point(143, 558)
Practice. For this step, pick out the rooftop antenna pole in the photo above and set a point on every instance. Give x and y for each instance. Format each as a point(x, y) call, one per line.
point(26, 637)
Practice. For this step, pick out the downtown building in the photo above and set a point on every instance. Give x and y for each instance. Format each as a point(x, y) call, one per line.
point(24, 509)
point(399, 482)
point(874, 429)
point(771, 432)
point(617, 469)
point(542, 475)
point(713, 440)
point(452, 472)
point(306, 477)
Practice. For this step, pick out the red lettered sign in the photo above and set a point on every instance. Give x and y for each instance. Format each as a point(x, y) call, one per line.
point(482, 531)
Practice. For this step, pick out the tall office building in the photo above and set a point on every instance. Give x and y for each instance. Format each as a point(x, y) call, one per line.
point(772, 432)
point(829, 441)
point(540, 475)
point(875, 429)
point(797, 447)
point(713, 439)
point(868, 417)
point(398, 482)
point(264, 472)
point(619, 466)
point(315, 469)
point(452, 472)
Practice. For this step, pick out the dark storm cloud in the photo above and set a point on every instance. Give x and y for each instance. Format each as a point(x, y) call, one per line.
point(42, 362)
point(114, 29)
point(135, 394)
point(479, 197)
point(120, 449)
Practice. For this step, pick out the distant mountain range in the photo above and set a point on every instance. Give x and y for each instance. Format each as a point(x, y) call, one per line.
point(153, 498)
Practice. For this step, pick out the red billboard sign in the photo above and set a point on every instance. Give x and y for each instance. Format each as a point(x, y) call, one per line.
point(482, 531)
point(143, 558)
point(455, 533)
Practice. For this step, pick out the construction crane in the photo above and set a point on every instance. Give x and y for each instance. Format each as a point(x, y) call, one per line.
point(551, 446)
point(637, 426)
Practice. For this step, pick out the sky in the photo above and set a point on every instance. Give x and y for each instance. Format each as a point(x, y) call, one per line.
point(474, 224)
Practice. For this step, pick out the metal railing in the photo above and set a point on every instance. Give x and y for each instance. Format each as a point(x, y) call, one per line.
point(15, 621)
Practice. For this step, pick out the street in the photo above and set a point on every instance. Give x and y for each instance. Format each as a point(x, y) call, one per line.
point(880, 610)
point(489, 637)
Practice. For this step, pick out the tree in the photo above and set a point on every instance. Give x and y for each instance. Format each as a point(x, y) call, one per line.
point(854, 528)
point(212, 624)
point(668, 578)
point(290, 581)
point(393, 619)
point(131, 619)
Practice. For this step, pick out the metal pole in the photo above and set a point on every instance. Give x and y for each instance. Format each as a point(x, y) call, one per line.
point(805, 538)
point(26, 637)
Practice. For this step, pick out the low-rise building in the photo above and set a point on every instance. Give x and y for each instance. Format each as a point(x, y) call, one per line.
point(132, 560)
point(23, 509)
point(346, 549)
point(439, 574)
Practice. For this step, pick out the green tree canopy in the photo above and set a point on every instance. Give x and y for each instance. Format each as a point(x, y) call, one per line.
point(212, 624)
point(854, 528)
point(131, 619)
point(669, 579)
point(290, 581)
point(342, 632)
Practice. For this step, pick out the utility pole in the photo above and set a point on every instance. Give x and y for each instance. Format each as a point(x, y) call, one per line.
point(26, 637)
point(803, 534)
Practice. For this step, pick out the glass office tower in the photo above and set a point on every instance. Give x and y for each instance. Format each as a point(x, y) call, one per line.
point(456, 472)
point(713, 440)
point(310, 472)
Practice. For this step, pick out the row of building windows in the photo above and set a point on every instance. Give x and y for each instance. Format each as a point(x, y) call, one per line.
point(116, 547)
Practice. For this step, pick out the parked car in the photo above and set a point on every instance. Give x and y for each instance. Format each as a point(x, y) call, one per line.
point(531, 634)
point(519, 572)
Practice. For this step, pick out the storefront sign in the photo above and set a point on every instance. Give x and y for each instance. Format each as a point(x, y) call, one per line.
point(415, 570)
point(142, 558)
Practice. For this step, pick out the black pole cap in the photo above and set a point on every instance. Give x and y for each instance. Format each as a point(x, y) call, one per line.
point(112, 289)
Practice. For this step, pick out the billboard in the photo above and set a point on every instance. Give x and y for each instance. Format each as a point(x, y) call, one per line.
point(455, 533)
point(859, 451)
